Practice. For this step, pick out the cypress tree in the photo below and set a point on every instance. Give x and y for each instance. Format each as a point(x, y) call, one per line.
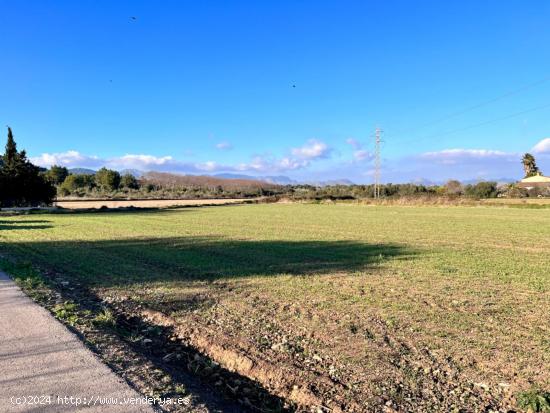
point(21, 183)
point(10, 156)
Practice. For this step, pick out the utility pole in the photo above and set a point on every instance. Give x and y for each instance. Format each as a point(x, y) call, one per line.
point(377, 162)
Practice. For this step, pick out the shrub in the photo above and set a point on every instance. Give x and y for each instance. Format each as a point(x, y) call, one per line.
point(74, 182)
point(481, 190)
point(129, 181)
point(56, 174)
point(453, 187)
point(534, 401)
point(107, 179)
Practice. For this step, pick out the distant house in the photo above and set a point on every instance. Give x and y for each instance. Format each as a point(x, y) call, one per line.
point(537, 181)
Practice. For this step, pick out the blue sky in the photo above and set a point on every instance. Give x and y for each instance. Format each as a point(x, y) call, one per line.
point(280, 88)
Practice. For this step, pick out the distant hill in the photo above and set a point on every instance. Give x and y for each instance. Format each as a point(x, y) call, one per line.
point(248, 180)
point(284, 180)
point(497, 180)
point(175, 180)
point(134, 172)
point(278, 180)
point(82, 171)
point(331, 182)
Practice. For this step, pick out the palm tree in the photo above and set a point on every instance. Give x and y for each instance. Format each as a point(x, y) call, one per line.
point(529, 165)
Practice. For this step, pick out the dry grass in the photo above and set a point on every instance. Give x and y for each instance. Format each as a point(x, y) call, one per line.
point(144, 203)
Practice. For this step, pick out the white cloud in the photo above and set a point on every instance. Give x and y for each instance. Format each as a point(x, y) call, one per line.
point(209, 166)
point(466, 156)
point(301, 157)
point(313, 149)
point(436, 166)
point(139, 161)
point(361, 155)
point(270, 164)
point(73, 159)
point(458, 154)
point(542, 147)
point(355, 144)
point(224, 146)
point(456, 163)
point(69, 159)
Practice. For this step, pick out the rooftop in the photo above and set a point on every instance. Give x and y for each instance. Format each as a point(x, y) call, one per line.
point(536, 179)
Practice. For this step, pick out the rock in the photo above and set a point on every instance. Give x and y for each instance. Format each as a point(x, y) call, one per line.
point(482, 385)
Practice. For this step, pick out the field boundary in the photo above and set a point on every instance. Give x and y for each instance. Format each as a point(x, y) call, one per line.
point(159, 364)
point(151, 203)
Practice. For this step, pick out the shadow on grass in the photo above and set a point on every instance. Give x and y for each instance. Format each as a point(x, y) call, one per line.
point(104, 210)
point(181, 262)
point(143, 209)
point(150, 260)
point(24, 224)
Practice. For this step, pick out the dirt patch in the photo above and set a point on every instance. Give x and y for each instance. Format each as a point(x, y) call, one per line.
point(149, 356)
point(145, 203)
point(225, 370)
point(406, 378)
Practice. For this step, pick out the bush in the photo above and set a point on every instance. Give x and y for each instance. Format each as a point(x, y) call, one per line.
point(534, 401)
point(129, 181)
point(57, 174)
point(107, 179)
point(481, 190)
point(75, 182)
point(453, 187)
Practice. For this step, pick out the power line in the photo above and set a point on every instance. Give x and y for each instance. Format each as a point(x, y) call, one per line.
point(477, 106)
point(476, 125)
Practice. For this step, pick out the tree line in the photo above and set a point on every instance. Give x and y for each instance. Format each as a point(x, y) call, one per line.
point(21, 182)
point(105, 181)
point(24, 184)
point(111, 184)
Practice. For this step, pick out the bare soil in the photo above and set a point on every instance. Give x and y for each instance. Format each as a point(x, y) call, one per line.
point(145, 203)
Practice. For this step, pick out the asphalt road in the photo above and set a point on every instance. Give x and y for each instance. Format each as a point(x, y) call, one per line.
point(43, 365)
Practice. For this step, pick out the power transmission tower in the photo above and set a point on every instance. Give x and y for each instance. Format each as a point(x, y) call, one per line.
point(377, 162)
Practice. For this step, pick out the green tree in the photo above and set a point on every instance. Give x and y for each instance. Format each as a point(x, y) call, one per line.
point(21, 183)
point(529, 165)
point(482, 190)
point(129, 181)
point(107, 179)
point(57, 174)
point(453, 187)
point(11, 156)
point(75, 182)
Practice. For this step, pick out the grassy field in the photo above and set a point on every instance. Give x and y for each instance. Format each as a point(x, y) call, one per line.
point(344, 306)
